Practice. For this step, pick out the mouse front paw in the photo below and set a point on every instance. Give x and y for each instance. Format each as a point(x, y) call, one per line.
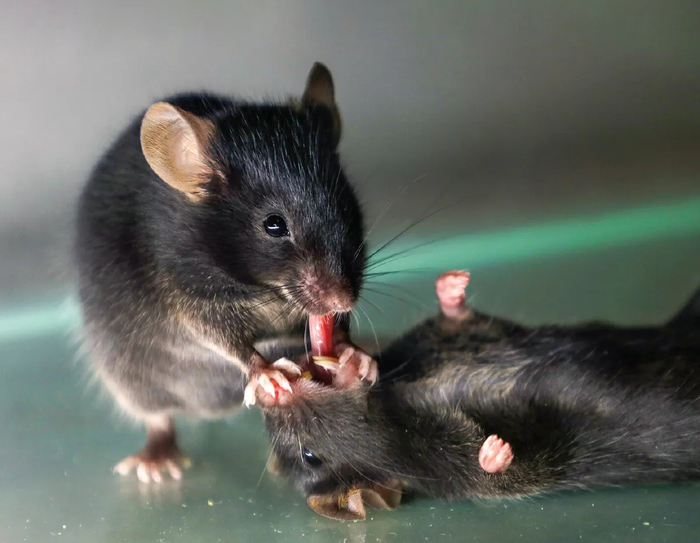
point(354, 366)
point(271, 384)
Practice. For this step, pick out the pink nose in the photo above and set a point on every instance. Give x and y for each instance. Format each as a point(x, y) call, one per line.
point(327, 293)
point(340, 302)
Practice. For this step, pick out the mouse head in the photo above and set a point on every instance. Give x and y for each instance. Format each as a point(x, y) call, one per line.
point(333, 446)
point(266, 194)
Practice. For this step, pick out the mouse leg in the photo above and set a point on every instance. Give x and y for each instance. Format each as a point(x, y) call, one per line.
point(160, 452)
point(450, 292)
point(495, 455)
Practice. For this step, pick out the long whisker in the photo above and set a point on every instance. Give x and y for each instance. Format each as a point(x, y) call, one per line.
point(402, 232)
point(395, 272)
point(270, 452)
point(393, 256)
point(375, 306)
point(415, 303)
point(355, 320)
point(393, 201)
point(374, 332)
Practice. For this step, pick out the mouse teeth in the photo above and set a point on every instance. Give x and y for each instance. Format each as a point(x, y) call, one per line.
point(326, 362)
point(306, 375)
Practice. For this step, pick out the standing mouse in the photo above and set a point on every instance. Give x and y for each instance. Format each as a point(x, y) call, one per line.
point(472, 406)
point(209, 225)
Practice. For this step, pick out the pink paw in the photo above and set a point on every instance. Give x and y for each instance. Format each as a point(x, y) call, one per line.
point(495, 455)
point(150, 469)
point(271, 383)
point(354, 365)
point(450, 292)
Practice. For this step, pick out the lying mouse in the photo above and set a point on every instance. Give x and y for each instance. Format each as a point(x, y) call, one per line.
point(208, 226)
point(471, 406)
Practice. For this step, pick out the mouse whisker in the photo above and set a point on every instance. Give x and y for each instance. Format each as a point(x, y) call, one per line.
point(415, 302)
point(270, 452)
point(375, 306)
point(374, 332)
point(405, 252)
point(413, 225)
point(384, 211)
point(420, 271)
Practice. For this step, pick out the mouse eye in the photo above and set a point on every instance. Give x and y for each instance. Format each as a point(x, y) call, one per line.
point(310, 458)
point(275, 226)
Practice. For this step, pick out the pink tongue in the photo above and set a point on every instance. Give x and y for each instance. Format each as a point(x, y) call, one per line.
point(321, 332)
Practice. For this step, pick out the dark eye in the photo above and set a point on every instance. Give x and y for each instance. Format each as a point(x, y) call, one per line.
point(310, 458)
point(275, 226)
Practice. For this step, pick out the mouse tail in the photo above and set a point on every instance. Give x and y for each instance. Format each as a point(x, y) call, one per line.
point(690, 311)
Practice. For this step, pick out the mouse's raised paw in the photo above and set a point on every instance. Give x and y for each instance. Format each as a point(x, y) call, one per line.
point(354, 365)
point(495, 455)
point(450, 292)
point(271, 382)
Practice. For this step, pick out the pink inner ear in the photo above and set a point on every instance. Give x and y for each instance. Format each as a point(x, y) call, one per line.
point(188, 152)
point(338, 507)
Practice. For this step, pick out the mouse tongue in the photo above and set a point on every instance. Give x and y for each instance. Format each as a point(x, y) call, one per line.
point(321, 333)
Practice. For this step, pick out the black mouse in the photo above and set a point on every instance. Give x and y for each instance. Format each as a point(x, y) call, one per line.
point(211, 224)
point(472, 406)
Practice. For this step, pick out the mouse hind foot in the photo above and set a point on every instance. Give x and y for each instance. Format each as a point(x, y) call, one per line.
point(160, 453)
point(495, 455)
point(450, 292)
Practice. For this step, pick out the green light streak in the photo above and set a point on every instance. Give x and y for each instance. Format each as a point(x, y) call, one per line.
point(607, 231)
point(570, 236)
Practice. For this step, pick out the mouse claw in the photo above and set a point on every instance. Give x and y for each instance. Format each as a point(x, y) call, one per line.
point(249, 395)
point(354, 365)
point(284, 364)
point(265, 383)
point(281, 380)
point(368, 368)
point(174, 470)
point(268, 378)
point(127, 465)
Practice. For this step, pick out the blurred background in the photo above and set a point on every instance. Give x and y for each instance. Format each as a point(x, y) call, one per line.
point(513, 114)
point(550, 147)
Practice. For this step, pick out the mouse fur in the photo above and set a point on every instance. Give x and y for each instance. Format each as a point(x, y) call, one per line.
point(179, 272)
point(584, 406)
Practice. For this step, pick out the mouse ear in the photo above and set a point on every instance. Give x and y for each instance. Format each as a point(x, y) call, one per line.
point(174, 143)
point(383, 496)
point(351, 505)
point(320, 91)
point(347, 506)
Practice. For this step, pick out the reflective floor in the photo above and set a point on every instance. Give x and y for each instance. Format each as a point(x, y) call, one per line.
point(59, 438)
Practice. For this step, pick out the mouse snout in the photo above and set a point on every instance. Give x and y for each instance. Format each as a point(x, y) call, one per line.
point(325, 294)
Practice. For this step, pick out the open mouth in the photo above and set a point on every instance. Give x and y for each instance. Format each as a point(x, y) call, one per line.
point(323, 361)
